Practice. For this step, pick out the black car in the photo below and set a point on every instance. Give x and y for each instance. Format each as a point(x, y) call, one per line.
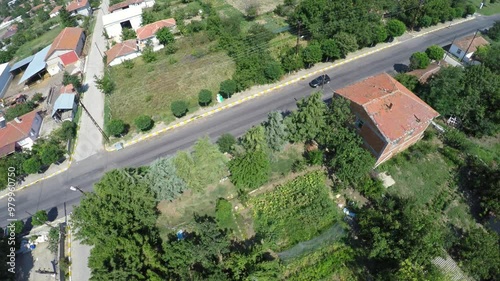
point(320, 81)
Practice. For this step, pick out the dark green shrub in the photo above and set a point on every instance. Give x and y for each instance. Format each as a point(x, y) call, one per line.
point(371, 188)
point(115, 127)
point(143, 122)
point(227, 88)
point(226, 142)
point(299, 165)
point(179, 108)
point(204, 97)
point(315, 157)
point(456, 139)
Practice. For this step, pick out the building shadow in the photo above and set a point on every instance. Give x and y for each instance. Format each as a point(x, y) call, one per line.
point(401, 68)
point(52, 214)
point(24, 265)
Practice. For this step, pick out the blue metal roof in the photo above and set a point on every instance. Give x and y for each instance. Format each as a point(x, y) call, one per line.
point(36, 65)
point(64, 101)
point(22, 63)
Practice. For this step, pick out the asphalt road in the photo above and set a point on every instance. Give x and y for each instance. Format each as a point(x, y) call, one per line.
point(54, 195)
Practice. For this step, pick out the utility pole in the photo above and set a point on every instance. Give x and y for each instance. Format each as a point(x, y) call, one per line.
point(475, 34)
point(298, 38)
point(95, 123)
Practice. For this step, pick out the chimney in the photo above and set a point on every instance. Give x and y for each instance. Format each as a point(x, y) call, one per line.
point(416, 118)
point(3, 124)
point(18, 120)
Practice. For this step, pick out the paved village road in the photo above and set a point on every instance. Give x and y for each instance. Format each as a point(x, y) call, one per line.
point(53, 193)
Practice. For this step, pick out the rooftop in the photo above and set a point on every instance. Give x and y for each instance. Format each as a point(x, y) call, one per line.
point(121, 49)
point(76, 4)
point(14, 132)
point(473, 42)
point(66, 40)
point(123, 5)
point(55, 10)
point(393, 108)
point(119, 16)
point(150, 30)
point(36, 65)
point(424, 74)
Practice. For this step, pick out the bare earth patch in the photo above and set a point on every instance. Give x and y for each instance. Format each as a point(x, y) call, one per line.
point(263, 6)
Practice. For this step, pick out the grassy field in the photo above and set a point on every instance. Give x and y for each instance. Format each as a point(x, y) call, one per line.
point(151, 87)
point(37, 44)
point(488, 9)
point(428, 177)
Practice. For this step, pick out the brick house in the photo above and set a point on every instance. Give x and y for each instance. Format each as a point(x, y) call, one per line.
point(147, 33)
point(20, 133)
point(389, 117)
point(79, 7)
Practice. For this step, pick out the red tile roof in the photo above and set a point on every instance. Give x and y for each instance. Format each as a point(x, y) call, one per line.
point(14, 132)
point(36, 8)
point(66, 40)
point(123, 4)
point(393, 108)
point(465, 42)
point(76, 4)
point(7, 19)
point(150, 30)
point(121, 49)
point(424, 74)
point(55, 10)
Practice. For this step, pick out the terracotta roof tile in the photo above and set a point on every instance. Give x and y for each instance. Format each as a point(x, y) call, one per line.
point(464, 43)
point(55, 10)
point(150, 30)
point(36, 8)
point(76, 4)
point(123, 4)
point(66, 40)
point(14, 132)
point(121, 49)
point(393, 108)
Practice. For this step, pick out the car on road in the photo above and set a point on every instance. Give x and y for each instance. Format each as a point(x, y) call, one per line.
point(320, 81)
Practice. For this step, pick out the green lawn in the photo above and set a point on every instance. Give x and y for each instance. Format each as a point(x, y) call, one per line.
point(37, 44)
point(488, 9)
point(149, 88)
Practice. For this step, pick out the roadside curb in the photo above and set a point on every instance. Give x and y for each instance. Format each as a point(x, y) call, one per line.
point(261, 93)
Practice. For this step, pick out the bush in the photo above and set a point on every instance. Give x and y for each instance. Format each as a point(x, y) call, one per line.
point(179, 108)
point(32, 165)
point(458, 12)
point(299, 165)
point(273, 72)
point(37, 97)
point(371, 188)
point(395, 28)
point(226, 142)
point(315, 157)
point(470, 9)
point(53, 240)
point(50, 153)
point(494, 31)
point(148, 55)
point(115, 127)
point(227, 88)
point(419, 60)
point(456, 139)
point(143, 122)
point(224, 214)
point(39, 218)
point(71, 79)
point(426, 21)
point(67, 131)
point(18, 110)
point(435, 52)
point(128, 64)
point(204, 97)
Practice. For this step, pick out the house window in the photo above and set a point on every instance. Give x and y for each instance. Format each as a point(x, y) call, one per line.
point(32, 132)
point(359, 123)
point(459, 51)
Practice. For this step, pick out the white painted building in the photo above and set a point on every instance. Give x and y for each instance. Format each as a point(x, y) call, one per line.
point(121, 52)
point(129, 18)
point(131, 3)
point(65, 50)
point(79, 7)
point(464, 48)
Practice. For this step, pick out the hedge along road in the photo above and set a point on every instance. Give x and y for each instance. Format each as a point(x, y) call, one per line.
point(54, 194)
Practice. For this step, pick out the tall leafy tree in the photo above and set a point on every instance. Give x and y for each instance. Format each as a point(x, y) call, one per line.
point(254, 139)
point(312, 54)
point(163, 180)
point(276, 134)
point(250, 170)
point(309, 120)
point(165, 36)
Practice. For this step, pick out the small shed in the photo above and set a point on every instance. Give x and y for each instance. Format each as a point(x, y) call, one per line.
point(64, 108)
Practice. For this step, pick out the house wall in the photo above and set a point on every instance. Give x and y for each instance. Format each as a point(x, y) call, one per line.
point(5, 79)
point(121, 59)
point(154, 41)
point(54, 14)
point(84, 11)
point(26, 143)
point(114, 29)
point(35, 127)
point(456, 51)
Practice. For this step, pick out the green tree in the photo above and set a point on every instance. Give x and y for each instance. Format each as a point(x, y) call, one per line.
point(50, 153)
point(312, 54)
point(419, 60)
point(226, 142)
point(39, 218)
point(395, 28)
point(346, 43)
point(426, 21)
point(67, 131)
point(17, 226)
point(37, 97)
point(227, 88)
point(479, 253)
point(128, 33)
point(492, 58)
point(409, 81)
point(115, 127)
point(250, 170)
point(106, 83)
point(470, 9)
point(179, 108)
point(148, 54)
point(42, 16)
point(204, 97)
point(121, 215)
point(66, 19)
point(330, 50)
point(275, 130)
point(315, 157)
point(163, 180)
point(309, 120)
point(71, 79)
point(53, 240)
point(254, 139)
point(165, 36)
point(273, 71)
point(143, 122)
point(435, 52)
point(494, 31)
point(32, 165)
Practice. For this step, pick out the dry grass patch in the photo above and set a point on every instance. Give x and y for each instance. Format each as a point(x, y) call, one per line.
point(263, 6)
